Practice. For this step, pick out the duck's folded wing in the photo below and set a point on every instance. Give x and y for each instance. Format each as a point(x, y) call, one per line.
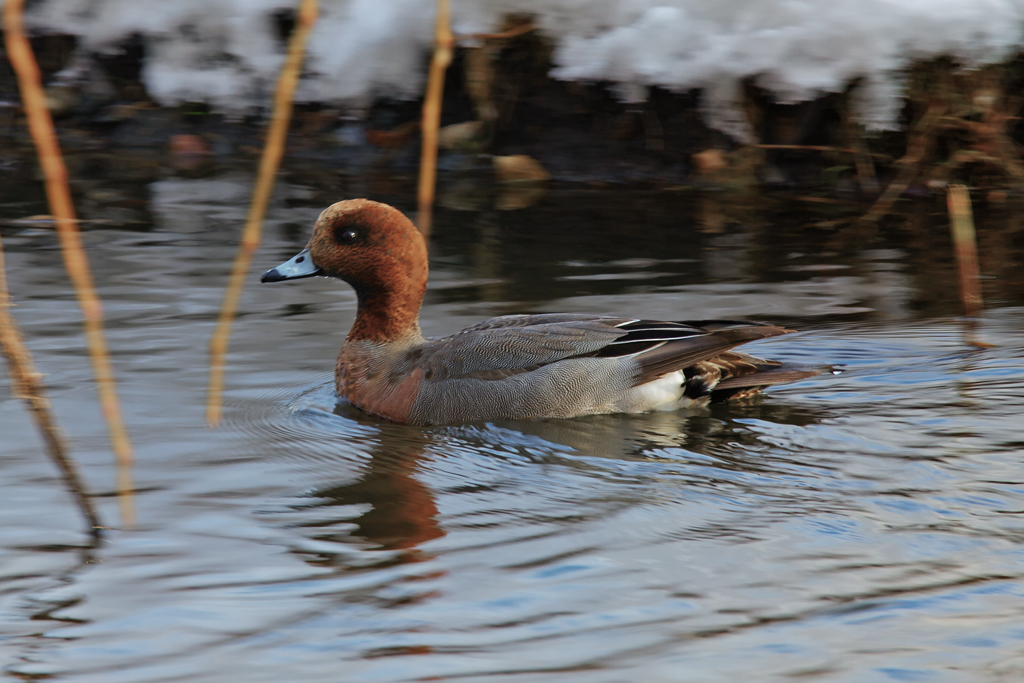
point(501, 347)
point(509, 345)
point(530, 319)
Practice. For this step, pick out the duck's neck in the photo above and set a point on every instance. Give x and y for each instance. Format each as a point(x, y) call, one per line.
point(387, 314)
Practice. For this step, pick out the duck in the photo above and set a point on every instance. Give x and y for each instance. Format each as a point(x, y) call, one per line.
point(512, 367)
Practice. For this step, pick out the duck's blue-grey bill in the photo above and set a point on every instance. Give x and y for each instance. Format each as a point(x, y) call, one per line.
point(299, 266)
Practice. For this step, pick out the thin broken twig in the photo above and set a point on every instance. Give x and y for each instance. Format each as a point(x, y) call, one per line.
point(918, 147)
point(821, 148)
point(27, 384)
point(520, 30)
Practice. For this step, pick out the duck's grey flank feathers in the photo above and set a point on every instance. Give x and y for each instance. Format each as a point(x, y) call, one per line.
point(516, 367)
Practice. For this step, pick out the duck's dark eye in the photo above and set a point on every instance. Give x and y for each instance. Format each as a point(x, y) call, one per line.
point(347, 236)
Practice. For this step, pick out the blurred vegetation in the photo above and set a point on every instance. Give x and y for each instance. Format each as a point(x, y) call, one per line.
point(957, 125)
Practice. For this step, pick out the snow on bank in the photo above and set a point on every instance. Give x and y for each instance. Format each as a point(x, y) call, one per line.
point(226, 52)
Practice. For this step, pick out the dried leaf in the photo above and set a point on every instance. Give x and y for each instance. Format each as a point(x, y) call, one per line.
point(519, 168)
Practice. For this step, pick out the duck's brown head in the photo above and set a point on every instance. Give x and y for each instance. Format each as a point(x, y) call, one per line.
point(377, 250)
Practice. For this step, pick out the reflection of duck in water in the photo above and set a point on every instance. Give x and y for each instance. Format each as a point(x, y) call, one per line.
point(722, 432)
point(510, 367)
point(402, 513)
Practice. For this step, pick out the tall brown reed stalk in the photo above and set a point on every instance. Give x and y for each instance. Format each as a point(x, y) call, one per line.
point(19, 51)
point(965, 246)
point(431, 122)
point(961, 223)
point(252, 235)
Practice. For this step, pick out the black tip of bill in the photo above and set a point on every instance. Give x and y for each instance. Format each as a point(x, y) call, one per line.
point(299, 266)
point(272, 275)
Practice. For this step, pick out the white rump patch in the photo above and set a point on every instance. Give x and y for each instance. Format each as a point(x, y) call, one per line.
point(664, 393)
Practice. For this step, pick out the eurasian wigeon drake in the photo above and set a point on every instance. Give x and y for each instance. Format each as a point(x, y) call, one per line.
point(552, 365)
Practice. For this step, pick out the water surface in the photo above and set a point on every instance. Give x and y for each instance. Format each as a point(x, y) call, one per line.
point(862, 527)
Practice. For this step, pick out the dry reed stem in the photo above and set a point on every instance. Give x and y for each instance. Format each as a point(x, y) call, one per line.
point(59, 196)
point(961, 223)
point(27, 384)
point(443, 42)
point(273, 150)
